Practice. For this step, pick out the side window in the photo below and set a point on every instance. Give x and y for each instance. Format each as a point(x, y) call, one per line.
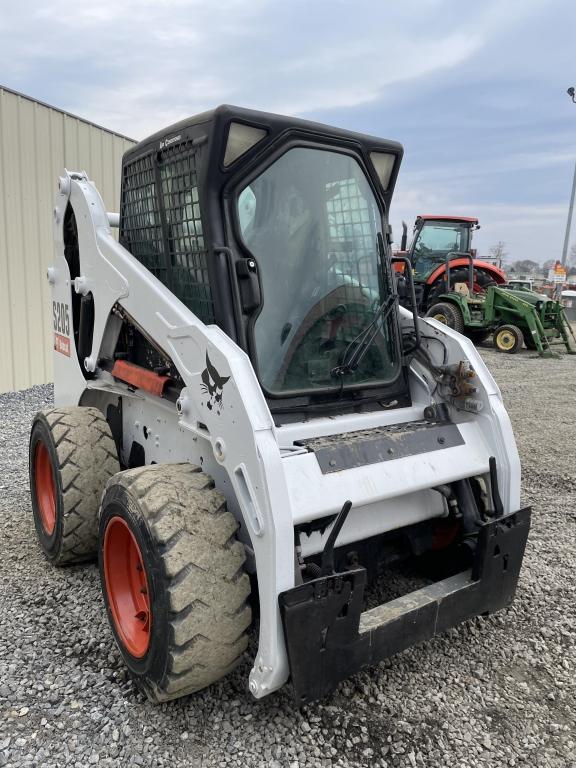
point(246, 211)
point(186, 244)
point(162, 189)
point(440, 239)
point(141, 231)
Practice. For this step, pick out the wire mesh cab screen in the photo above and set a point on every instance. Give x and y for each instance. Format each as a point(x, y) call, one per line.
point(161, 223)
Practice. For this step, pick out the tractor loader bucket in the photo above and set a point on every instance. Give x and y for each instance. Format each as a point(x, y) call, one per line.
point(543, 321)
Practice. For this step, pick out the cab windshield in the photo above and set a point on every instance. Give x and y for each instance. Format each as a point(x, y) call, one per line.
point(435, 241)
point(311, 221)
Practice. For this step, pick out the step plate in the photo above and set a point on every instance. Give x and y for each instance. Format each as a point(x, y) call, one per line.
point(372, 446)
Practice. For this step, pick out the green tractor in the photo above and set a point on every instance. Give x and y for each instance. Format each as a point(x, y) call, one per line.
point(512, 317)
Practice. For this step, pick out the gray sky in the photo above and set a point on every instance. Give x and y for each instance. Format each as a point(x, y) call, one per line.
point(476, 92)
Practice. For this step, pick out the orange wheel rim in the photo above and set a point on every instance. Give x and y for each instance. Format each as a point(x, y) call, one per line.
point(444, 533)
point(45, 489)
point(127, 587)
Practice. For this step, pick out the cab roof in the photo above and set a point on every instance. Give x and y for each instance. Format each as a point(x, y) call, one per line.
point(430, 217)
point(212, 128)
point(226, 113)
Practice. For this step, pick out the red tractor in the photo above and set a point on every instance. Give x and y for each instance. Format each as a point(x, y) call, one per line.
point(435, 238)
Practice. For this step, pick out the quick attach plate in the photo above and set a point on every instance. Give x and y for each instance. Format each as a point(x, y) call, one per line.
point(371, 446)
point(328, 637)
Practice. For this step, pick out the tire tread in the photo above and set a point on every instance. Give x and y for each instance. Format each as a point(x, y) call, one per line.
point(451, 311)
point(78, 432)
point(204, 578)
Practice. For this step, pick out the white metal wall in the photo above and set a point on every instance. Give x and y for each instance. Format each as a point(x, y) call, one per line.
point(36, 143)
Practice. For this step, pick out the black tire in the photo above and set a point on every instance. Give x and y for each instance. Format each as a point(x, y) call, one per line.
point(508, 339)
point(193, 566)
point(449, 314)
point(478, 337)
point(71, 458)
point(458, 275)
point(529, 340)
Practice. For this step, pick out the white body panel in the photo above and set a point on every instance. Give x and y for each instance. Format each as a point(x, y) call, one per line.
point(270, 484)
point(313, 494)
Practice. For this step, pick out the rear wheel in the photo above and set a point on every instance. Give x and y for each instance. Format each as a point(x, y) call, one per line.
point(508, 338)
point(173, 579)
point(482, 281)
point(72, 457)
point(449, 314)
point(529, 340)
point(478, 337)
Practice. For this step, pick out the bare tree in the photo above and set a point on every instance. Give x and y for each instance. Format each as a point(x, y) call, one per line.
point(498, 251)
point(571, 261)
point(526, 266)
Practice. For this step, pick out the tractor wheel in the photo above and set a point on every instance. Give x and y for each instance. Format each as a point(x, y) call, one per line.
point(449, 314)
point(508, 338)
point(172, 575)
point(477, 337)
point(481, 283)
point(72, 457)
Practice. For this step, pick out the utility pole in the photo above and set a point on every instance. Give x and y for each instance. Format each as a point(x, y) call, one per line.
point(572, 93)
point(569, 221)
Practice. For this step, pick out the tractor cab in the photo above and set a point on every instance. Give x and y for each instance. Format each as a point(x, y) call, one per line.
point(436, 237)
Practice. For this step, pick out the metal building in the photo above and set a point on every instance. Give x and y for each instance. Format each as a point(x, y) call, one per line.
point(37, 142)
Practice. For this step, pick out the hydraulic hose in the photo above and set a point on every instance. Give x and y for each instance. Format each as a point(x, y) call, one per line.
point(471, 520)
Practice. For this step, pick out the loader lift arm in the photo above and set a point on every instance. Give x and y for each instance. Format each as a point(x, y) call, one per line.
point(251, 450)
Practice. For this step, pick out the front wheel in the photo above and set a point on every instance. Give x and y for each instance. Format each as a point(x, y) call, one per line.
point(173, 580)
point(508, 338)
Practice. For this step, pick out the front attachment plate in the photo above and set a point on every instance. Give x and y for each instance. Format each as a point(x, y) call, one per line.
point(328, 637)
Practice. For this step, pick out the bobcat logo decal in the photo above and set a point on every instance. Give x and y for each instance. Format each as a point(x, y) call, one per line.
point(212, 385)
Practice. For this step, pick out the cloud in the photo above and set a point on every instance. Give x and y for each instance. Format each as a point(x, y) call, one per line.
point(530, 230)
point(476, 92)
point(133, 65)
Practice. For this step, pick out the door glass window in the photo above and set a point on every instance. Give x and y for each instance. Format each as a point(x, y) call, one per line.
point(435, 241)
point(311, 221)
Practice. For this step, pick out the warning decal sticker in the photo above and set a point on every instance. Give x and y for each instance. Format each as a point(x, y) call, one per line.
point(62, 344)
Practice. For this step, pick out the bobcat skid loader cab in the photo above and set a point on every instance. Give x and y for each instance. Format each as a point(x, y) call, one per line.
point(245, 417)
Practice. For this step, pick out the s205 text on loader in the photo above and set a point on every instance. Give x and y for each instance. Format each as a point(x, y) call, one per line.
point(245, 416)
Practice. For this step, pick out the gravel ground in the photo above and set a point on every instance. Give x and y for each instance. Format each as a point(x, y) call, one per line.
point(496, 691)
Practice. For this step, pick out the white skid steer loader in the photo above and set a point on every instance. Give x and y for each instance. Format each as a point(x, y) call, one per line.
point(245, 416)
